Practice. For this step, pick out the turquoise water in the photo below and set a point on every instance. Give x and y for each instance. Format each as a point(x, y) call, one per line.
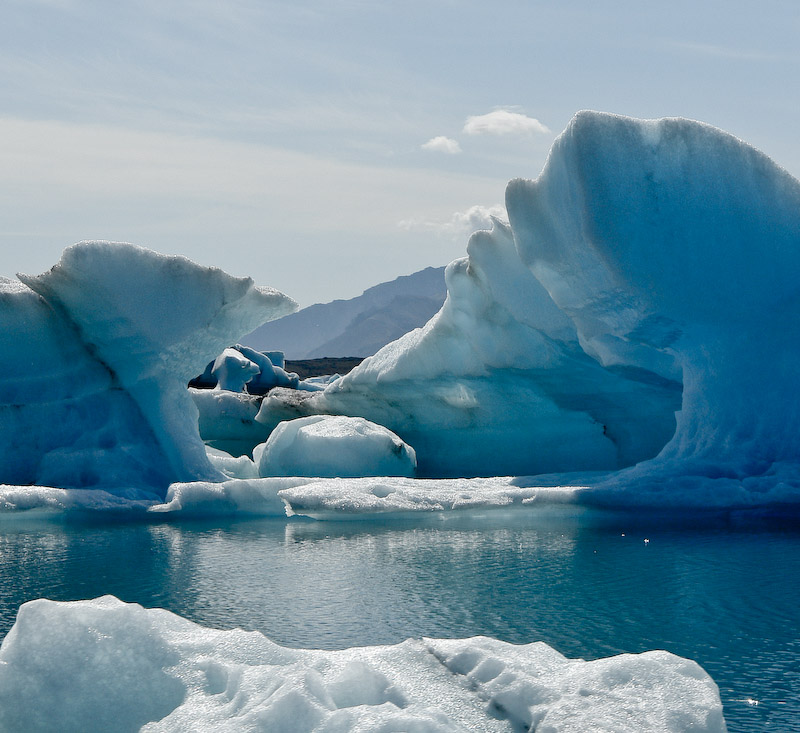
point(590, 586)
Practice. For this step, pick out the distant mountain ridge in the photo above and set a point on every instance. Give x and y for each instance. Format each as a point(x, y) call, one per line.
point(358, 326)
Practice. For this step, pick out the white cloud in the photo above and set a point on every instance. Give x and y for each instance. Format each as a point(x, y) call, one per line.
point(442, 144)
point(460, 223)
point(503, 122)
point(728, 52)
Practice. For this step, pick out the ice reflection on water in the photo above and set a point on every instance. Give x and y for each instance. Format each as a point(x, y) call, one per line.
point(589, 586)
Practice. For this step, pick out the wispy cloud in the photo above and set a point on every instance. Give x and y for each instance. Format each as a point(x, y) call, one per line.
point(731, 53)
point(503, 122)
point(251, 208)
point(442, 144)
point(460, 223)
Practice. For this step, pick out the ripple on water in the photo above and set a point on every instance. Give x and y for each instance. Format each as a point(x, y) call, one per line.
point(726, 598)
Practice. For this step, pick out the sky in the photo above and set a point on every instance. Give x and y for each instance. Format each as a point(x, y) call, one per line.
point(324, 146)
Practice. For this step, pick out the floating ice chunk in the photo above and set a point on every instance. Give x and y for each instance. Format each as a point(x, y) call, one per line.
point(256, 496)
point(165, 673)
point(332, 497)
point(324, 498)
point(271, 374)
point(233, 370)
point(50, 499)
point(325, 445)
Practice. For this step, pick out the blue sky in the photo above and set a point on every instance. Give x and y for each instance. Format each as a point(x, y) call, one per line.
point(322, 147)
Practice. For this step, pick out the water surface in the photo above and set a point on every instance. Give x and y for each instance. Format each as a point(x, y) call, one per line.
point(590, 586)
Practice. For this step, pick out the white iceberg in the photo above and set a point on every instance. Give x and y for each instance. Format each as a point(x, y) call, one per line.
point(95, 360)
point(325, 445)
point(105, 665)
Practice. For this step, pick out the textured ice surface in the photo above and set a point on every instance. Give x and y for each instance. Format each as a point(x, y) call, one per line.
point(95, 360)
point(324, 498)
point(106, 665)
point(673, 246)
point(324, 445)
point(660, 276)
point(497, 382)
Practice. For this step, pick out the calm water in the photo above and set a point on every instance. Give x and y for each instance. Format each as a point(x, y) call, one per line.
point(589, 587)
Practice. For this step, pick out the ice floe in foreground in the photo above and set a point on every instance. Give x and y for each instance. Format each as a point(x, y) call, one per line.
point(104, 665)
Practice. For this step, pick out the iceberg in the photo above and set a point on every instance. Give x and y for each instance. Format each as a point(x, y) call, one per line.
point(233, 370)
point(96, 356)
point(334, 446)
point(672, 246)
point(638, 312)
point(630, 333)
point(131, 668)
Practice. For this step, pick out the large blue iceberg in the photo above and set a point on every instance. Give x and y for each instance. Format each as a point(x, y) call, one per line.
point(641, 309)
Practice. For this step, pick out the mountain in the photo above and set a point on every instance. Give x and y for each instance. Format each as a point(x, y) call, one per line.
point(359, 326)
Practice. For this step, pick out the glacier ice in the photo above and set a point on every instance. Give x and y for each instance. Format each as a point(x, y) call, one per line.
point(130, 668)
point(233, 370)
point(635, 317)
point(96, 356)
point(670, 238)
point(640, 308)
point(497, 382)
point(227, 420)
point(270, 374)
point(324, 498)
point(326, 445)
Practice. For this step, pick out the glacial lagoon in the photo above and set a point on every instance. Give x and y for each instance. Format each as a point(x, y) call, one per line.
point(721, 591)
